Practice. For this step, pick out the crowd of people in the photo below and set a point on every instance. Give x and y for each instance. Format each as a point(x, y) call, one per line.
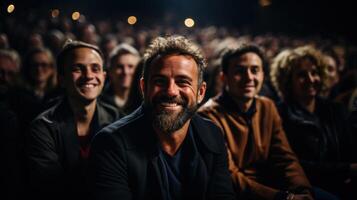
point(105, 110)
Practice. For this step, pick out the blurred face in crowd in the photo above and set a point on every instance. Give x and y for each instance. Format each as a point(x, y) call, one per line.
point(122, 70)
point(332, 71)
point(83, 74)
point(244, 77)
point(8, 71)
point(172, 92)
point(306, 81)
point(42, 68)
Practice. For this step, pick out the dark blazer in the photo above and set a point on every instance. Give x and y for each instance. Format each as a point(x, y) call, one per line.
point(124, 162)
point(56, 169)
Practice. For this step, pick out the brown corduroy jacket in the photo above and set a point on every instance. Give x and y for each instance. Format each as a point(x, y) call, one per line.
point(266, 166)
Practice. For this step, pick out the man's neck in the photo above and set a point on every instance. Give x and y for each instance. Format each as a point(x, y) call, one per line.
point(40, 88)
point(83, 114)
point(121, 93)
point(308, 104)
point(170, 143)
point(243, 105)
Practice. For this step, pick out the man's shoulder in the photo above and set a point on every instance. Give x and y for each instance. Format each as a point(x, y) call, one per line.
point(49, 116)
point(211, 106)
point(266, 105)
point(124, 129)
point(110, 111)
point(208, 132)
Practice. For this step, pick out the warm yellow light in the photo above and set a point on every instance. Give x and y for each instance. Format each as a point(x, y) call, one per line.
point(55, 13)
point(75, 15)
point(189, 22)
point(132, 20)
point(10, 8)
point(264, 3)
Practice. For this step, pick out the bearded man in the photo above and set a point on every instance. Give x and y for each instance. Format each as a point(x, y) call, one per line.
point(163, 150)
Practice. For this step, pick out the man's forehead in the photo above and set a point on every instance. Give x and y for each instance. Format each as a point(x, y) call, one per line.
point(249, 56)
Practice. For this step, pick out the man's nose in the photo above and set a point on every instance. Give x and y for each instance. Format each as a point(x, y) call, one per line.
point(88, 73)
point(172, 89)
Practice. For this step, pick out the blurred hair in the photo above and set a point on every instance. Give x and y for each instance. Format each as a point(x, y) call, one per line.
point(12, 55)
point(120, 50)
point(244, 48)
point(286, 62)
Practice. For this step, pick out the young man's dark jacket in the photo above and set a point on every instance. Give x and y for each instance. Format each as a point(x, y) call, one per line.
point(56, 169)
point(124, 162)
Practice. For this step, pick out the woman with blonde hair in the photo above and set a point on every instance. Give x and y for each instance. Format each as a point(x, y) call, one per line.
point(314, 126)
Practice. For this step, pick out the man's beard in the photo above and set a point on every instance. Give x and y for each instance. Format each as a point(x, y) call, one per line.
point(170, 121)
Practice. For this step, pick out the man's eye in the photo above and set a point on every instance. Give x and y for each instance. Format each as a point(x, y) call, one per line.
point(183, 82)
point(96, 69)
point(159, 81)
point(76, 69)
point(255, 70)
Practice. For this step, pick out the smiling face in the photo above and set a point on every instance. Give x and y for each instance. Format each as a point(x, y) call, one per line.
point(306, 81)
point(172, 91)
point(244, 77)
point(83, 75)
point(122, 70)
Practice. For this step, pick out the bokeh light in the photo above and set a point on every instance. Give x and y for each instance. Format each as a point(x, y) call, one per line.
point(189, 22)
point(11, 8)
point(55, 13)
point(75, 15)
point(132, 20)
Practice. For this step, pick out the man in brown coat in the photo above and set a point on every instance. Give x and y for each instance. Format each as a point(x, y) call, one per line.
point(261, 162)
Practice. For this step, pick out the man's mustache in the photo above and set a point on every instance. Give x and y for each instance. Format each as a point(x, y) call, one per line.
point(168, 99)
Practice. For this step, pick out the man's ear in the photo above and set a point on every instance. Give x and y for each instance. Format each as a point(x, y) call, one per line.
point(201, 92)
point(142, 85)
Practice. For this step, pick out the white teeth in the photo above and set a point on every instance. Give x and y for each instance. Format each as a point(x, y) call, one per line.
point(169, 104)
point(89, 86)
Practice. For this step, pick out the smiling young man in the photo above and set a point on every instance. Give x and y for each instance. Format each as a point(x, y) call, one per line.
point(163, 150)
point(261, 161)
point(59, 139)
point(123, 62)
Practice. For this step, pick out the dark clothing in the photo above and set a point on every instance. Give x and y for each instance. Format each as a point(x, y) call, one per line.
point(10, 154)
point(56, 169)
point(321, 141)
point(125, 162)
point(108, 97)
point(177, 168)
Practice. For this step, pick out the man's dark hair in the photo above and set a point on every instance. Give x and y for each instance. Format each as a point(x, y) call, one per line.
point(171, 45)
point(66, 50)
point(229, 54)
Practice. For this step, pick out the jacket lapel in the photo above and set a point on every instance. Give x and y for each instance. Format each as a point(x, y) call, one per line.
point(68, 131)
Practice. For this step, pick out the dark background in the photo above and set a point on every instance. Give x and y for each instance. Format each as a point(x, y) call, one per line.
point(303, 17)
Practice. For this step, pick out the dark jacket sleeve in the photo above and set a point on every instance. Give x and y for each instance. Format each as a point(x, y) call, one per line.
point(108, 178)
point(46, 174)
